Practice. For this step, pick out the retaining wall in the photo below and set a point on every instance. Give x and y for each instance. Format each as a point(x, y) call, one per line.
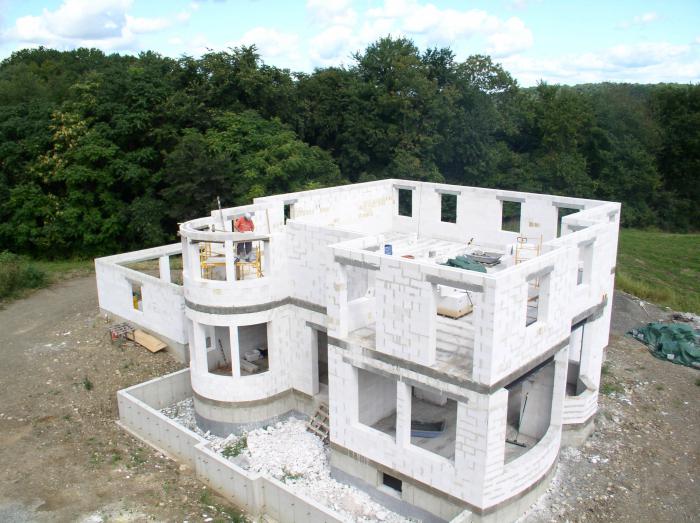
point(255, 493)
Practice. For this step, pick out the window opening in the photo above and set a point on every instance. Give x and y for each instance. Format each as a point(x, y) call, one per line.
point(136, 296)
point(433, 422)
point(510, 216)
point(253, 348)
point(392, 482)
point(448, 207)
point(288, 211)
point(376, 402)
point(561, 213)
point(405, 202)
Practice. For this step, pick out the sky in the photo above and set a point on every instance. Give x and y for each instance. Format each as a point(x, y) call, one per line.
point(558, 41)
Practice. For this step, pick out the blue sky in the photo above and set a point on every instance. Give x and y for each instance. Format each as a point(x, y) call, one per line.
point(562, 41)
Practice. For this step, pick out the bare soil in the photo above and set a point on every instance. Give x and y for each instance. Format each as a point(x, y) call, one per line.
point(64, 459)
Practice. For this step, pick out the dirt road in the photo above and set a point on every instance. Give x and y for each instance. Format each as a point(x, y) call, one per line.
point(64, 459)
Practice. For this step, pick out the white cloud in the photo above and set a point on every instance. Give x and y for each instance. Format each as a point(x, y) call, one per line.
point(331, 46)
point(643, 19)
point(331, 12)
point(105, 24)
point(146, 25)
point(277, 47)
point(643, 63)
point(430, 26)
point(513, 37)
point(644, 54)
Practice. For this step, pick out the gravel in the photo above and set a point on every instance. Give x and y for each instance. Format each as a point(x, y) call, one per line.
point(288, 452)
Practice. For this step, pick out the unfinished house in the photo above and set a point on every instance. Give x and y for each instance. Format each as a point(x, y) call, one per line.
point(455, 334)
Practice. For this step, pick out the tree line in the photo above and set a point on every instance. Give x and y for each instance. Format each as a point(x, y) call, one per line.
point(102, 153)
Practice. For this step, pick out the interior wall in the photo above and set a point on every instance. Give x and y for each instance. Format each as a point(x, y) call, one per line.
point(376, 397)
point(537, 414)
point(252, 337)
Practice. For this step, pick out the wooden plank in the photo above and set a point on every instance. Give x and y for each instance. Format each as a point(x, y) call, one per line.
point(144, 339)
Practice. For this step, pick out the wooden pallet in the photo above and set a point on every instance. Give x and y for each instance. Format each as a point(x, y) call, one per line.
point(319, 423)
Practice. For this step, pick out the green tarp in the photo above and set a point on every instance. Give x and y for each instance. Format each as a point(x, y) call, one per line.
point(676, 342)
point(462, 262)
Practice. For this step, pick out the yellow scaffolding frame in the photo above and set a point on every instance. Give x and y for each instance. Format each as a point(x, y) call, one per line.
point(209, 260)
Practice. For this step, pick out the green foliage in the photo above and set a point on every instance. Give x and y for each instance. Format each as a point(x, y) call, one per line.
point(16, 274)
point(87, 384)
point(611, 388)
point(231, 451)
point(102, 153)
point(660, 267)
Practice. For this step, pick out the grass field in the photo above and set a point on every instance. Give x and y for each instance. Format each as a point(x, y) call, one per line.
point(20, 275)
point(660, 267)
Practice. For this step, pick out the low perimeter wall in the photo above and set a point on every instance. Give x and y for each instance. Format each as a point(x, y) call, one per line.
point(256, 494)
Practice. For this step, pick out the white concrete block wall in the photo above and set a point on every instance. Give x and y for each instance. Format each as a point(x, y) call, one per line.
point(162, 301)
point(362, 207)
point(310, 261)
point(277, 379)
point(405, 311)
point(513, 343)
point(506, 480)
point(302, 346)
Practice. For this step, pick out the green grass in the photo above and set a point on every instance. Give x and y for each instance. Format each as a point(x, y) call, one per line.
point(659, 267)
point(231, 451)
point(18, 274)
point(610, 388)
point(63, 269)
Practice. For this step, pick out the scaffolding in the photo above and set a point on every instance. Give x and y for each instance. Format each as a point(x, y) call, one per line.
point(527, 248)
point(210, 259)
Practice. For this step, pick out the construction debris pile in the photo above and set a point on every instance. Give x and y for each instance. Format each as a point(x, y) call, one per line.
point(291, 454)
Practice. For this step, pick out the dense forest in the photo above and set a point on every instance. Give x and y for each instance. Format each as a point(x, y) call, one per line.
point(103, 153)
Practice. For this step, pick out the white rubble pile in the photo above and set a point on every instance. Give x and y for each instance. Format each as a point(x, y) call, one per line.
point(291, 454)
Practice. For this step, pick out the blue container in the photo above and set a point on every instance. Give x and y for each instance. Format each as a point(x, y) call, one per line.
point(388, 249)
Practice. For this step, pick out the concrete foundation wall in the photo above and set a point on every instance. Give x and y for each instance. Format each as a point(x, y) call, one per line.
point(257, 494)
point(139, 413)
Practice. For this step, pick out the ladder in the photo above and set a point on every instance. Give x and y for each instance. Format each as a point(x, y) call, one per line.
point(527, 248)
point(319, 423)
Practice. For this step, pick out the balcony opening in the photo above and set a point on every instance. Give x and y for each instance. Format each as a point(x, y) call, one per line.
point(136, 296)
point(433, 422)
point(510, 216)
point(249, 260)
point(218, 344)
point(561, 213)
point(392, 482)
point(529, 410)
point(405, 202)
point(212, 261)
point(376, 407)
point(448, 208)
point(253, 349)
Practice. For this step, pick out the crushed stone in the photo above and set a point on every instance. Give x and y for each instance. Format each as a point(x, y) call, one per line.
point(286, 451)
